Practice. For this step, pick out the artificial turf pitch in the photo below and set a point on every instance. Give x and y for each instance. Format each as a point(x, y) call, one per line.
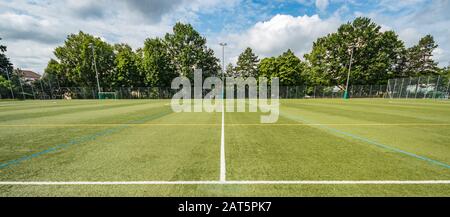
point(316, 140)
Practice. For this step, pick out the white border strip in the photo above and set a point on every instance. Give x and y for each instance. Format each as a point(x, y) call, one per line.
point(293, 182)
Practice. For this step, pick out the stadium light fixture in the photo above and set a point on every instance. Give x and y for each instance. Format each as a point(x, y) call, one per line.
point(91, 45)
point(223, 56)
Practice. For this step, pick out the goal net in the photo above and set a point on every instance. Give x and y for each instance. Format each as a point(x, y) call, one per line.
point(107, 95)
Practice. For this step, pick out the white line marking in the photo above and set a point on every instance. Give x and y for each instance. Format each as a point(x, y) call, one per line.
point(230, 124)
point(222, 146)
point(287, 182)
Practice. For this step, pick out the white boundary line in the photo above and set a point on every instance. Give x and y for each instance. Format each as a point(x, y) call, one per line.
point(231, 124)
point(222, 146)
point(305, 182)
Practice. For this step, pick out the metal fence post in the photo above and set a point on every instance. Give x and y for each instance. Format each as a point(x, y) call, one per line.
point(51, 89)
point(409, 84)
point(426, 90)
point(314, 92)
point(21, 87)
point(448, 85)
point(380, 89)
point(32, 90)
point(436, 87)
point(401, 88)
point(417, 87)
point(393, 90)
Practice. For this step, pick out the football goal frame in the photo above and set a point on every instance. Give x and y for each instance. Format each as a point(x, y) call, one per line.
point(107, 95)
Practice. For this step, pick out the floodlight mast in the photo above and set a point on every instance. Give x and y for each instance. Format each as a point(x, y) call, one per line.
point(223, 57)
point(95, 65)
point(223, 44)
point(346, 96)
point(351, 49)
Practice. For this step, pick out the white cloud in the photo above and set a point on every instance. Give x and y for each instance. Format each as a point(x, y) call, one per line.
point(417, 18)
point(31, 30)
point(281, 32)
point(321, 4)
point(410, 36)
point(29, 54)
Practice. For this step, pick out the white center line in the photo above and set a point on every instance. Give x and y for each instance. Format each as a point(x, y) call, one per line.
point(222, 145)
point(242, 182)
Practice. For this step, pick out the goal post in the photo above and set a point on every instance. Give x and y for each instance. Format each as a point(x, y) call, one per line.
point(107, 95)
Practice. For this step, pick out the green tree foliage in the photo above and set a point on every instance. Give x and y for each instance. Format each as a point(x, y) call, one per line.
point(247, 64)
point(5, 64)
point(268, 67)
point(156, 63)
point(376, 55)
point(287, 67)
point(4, 83)
point(230, 71)
point(76, 58)
point(445, 72)
point(127, 65)
point(55, 73)
point(290, 69)
point(7, 71)
point(419, 58)
point(187, 51)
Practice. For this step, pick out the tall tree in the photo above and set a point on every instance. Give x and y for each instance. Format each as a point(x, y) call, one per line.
point(76, 58)
point(287, 67)
point(290, 69)
point(7, 71)
point(419, 58)
point(229, 70)
point(55, 74)
point(4, 84)
point(376, 55)
point(5, 64)
point(247, 64)
point(268, 67)
point(127, 67)
point(156, 64)
point(187, 51)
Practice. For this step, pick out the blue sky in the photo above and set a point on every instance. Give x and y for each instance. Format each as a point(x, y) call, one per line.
point(33, 28)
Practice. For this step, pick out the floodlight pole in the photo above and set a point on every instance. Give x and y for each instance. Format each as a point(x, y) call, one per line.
point(354, 45)
point(223, 58)
point(10, 85)
point(95, 65)
point(21, 86)
point(346, 96)
point(223, 44)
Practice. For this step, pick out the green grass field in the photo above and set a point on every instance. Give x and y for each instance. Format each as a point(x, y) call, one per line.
point(143, 140)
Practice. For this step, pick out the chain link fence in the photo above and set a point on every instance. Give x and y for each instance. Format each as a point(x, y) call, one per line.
point(285, 92)
point(435, 87)
point(429, 87)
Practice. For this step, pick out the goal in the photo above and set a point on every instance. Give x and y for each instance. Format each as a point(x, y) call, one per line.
point(107, 95)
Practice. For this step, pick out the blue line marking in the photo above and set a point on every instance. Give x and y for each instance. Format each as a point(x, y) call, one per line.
point(81, 140)
point(373, 142)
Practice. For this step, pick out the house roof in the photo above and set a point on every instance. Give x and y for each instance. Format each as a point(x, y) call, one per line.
point(30, 74)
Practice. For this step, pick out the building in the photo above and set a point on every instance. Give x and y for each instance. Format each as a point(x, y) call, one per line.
point(29, 76)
